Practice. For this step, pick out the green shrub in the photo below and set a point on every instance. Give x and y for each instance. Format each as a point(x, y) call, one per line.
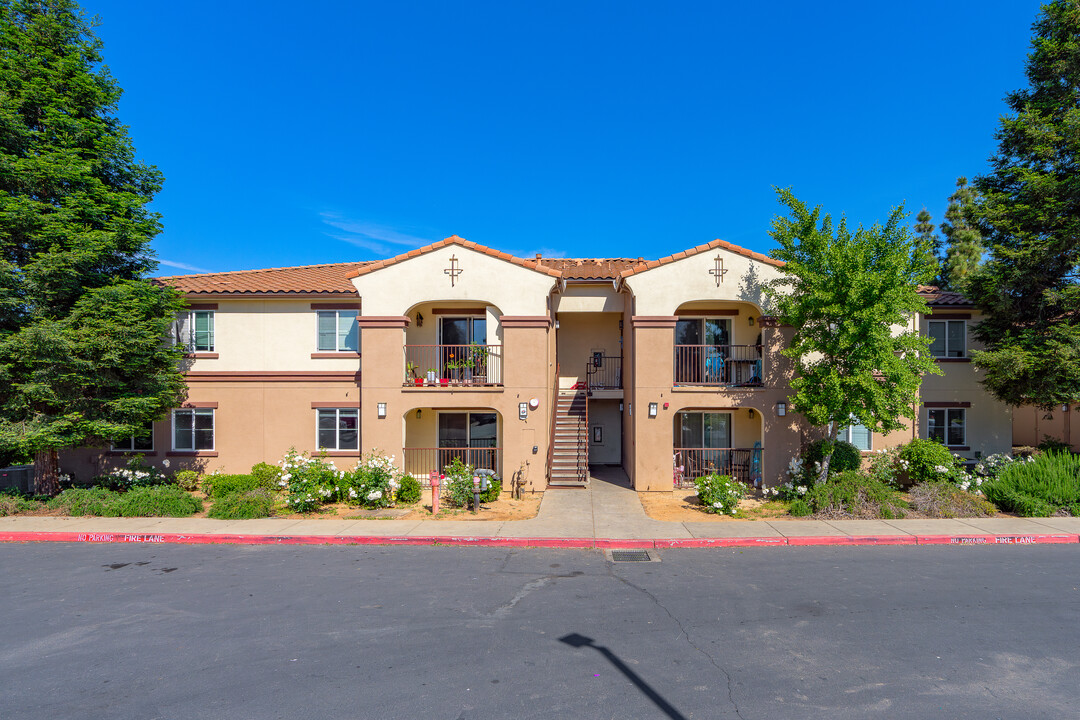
point(135, 474)
point(409, 492)
point(258, 503)
point(845, 456)
point(310, 482)
point(459, 485)
point(372, 483)
point(1038, 486)
point(186, 479)
point(160, 501)
point(928, 460)
point(799, 508)
point(945, 500)
point(720, 494)
point(494, 488)
point(266, 475)
point(87, 501)
point(1052, 444)
point(851, 494)
point(12, 503)
point(218, 486)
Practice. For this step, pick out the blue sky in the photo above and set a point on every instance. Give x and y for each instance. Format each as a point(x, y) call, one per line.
point(294, 134)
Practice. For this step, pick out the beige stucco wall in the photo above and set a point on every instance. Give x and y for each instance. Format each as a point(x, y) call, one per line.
point(580, 334)
point(268, 334)
point(484, 279)
point(661, 290)
point(1032, 425)
point(589, 298)
point(605, 414)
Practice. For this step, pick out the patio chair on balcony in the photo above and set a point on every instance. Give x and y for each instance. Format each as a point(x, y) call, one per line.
point(714, 366)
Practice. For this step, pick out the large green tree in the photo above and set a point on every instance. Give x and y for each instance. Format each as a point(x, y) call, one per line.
point(851, 297)
point(82, 350)
point(1029, 214)
point(964, 244)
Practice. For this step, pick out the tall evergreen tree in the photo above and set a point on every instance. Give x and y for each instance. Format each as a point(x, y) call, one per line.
point(846, 294)
point(927, 235)
point(82, 356)
point(964, 248)
point(1029, 213)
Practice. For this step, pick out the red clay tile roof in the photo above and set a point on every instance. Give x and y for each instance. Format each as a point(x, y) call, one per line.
point(453, 240)
point(328, 279)
point(643, 266)
point(934, 296)
point(589, 268)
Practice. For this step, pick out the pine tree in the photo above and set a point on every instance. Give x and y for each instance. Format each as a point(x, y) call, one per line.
point(82, 356)
point(964, 245)
point(1029, 213)
point(927, 236)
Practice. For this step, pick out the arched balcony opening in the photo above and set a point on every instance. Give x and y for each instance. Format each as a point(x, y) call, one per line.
point(452, 344)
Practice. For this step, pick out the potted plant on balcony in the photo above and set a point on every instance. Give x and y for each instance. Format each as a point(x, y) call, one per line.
point(411, 367)
point(431, 376)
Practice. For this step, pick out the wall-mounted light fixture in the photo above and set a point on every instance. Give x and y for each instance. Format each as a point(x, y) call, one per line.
point(751, 413)
point(652, 409)
point(751, 321)
point(417, 413)
point(419, 320)
point(382, 410)
point(781, 409)
point(1064, 408)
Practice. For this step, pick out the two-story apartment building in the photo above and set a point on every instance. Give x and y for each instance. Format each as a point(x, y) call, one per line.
point(534, 368)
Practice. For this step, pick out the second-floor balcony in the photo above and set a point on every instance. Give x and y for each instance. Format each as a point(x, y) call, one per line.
point(453, 365)
point(719, 365)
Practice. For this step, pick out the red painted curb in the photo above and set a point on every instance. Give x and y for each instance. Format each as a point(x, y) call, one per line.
point(853, 540)
point(1053, 539)
point(721, 542)
point(522, 542)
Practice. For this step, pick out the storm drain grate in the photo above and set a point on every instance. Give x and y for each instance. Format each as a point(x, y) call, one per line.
point(630, 556)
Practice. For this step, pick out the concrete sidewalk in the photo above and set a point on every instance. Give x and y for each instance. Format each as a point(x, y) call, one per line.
point(606, 514)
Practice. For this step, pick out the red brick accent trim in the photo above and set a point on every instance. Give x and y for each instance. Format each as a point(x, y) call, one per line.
point(946, 314)
point(653, 321)
point(334, 404)
point(334, 355)
point(122, 453)
point(383, 321)
point(525, 321)
point(272, 376)
point(202, 306)
point(202, 356)
point(199, 405)
point(192, 453)
point(336, 306)
point(947, 404)
point(462, 242)
point(459, 311)
point(341, 453)
point(768, 321)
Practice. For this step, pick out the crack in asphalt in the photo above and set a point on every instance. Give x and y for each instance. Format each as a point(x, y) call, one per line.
point(690, 642)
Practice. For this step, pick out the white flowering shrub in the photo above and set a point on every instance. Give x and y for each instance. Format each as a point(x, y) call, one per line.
point(136, 474)
point(373, 483)
point(309, 482)
point(720, 494)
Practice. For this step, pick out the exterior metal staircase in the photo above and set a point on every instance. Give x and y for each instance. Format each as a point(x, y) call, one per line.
point(569, 465)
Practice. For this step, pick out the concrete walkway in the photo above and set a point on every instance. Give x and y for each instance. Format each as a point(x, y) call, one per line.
point(605, 514)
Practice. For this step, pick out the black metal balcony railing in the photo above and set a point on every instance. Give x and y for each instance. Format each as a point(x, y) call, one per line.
point(719, 365)
point(604, 372)
point(743, 464)
point(419, 462)
point(453, 365)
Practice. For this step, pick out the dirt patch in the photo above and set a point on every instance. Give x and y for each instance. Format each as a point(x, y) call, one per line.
point(505, 508)
point(683, 506)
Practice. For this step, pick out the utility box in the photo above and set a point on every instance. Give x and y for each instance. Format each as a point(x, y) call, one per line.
point(17, 477)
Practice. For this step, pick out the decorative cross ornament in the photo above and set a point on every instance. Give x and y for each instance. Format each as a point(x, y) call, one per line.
point(718, 272)
point(453, 271)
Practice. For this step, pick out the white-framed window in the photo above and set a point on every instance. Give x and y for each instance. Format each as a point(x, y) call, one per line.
point(338, 331)
point(338, 428)
point(857, 434)
point(193, 429)
point(140, 442)
point(947, 425)
point(195, 330)
point(948, 338)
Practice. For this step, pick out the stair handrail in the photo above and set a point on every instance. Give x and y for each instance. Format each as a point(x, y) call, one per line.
point(583, 473)
point(554, 414)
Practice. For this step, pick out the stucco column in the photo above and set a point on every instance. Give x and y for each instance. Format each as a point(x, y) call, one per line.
point(653, 437)
point(382, 372)
point(528, 372)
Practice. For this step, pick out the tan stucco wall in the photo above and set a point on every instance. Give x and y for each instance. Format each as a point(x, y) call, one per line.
point(254, 422)
point(1031, 425)
point(742, 332)
point(605, 414)
point(266, 334)
point(394, 289)
point(580, 334)
point(589, 298)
